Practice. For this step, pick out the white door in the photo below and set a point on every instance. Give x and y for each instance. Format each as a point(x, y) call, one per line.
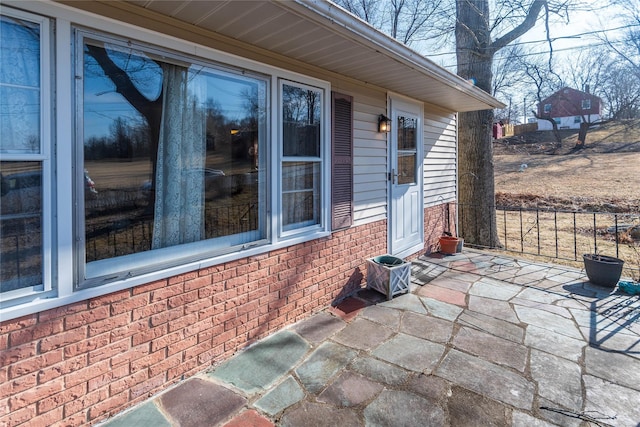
point(406, 211)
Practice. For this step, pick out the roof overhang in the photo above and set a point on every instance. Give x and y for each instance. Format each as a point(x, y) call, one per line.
point(323, 35)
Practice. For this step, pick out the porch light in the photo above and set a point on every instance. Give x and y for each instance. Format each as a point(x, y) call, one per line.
point(384, 123)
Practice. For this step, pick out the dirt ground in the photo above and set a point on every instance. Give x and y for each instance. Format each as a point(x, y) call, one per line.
point(532, 171)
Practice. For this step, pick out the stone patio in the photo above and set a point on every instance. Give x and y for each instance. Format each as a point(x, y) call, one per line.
point(481, 339)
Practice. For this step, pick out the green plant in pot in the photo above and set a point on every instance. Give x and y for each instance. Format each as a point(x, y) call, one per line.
point(603, 270)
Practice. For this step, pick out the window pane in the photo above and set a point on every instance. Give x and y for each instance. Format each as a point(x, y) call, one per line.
point(20, 225)
point(19, 86)
point(407, 137)
point(301, 110)
point(171, 152)
point(406, 168)
point(301, 194)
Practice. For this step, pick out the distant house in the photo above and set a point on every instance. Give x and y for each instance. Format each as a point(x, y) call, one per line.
point(568, 108)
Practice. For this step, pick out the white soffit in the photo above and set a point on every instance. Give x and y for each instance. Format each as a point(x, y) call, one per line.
point(319, 33)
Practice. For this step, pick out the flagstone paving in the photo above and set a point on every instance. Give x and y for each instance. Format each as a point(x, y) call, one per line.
point(480, 340)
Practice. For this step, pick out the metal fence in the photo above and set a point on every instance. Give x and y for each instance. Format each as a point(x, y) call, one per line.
point(566, 234)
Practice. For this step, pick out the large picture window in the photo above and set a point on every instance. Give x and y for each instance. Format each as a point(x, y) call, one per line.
point(173, 153)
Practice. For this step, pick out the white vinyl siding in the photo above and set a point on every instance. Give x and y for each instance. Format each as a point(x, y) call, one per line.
point(440, 165)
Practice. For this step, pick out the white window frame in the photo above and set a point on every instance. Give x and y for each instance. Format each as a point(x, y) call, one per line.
point(43, 157)
point(59, 233)
point(586, 104)
point(323, 159)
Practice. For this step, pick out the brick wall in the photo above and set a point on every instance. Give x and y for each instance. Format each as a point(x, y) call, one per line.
point(78, 364)
point(435, 222)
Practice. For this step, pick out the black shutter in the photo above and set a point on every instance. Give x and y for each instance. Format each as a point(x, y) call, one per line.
point(341, 161)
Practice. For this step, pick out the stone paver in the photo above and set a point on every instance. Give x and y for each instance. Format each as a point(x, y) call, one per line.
point(492, 348)
point(350, 389)
point(259, 366)
point(426, 327)
point(559, 380)
point(363, 334)
point(281, 397)
point(198, 402)
point(485, 378)
point(417, 354)
point(402, 408)
point(324, 363)
point(536, 346)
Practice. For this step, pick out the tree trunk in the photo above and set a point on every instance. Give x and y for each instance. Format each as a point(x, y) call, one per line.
point(477, 212)
point(582, 135)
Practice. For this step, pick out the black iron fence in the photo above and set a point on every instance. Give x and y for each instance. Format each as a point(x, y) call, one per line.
point(563, 234)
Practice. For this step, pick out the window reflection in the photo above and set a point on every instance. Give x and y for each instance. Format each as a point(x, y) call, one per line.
point(173, 150)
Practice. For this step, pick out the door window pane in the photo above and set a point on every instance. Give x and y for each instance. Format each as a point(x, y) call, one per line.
point(407, 144)
point(171, 153)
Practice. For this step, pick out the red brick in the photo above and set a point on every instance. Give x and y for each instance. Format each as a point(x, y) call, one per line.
point(85, 374)
point(109, 298)
point(208, 334)
point(182, 345)
point(18, 324)
point(182, 369)
point(129, 381)
point(34, 394)
point(83, 403)
point(108, 377)
point(62, 368)
point(183, 321)
point(33, 364)
point(111, 350)
point(196, 283)
point(85, 345)
point(183, 299)
point(15, 354)
point(19, 416)
point(73, 420)
point(148, 360)
point(163, 366)
point(129, 304)
point(147, 287)
point(198, 305)
point(86, 317)
point(59, 399)
point(133, 353)
point(166, 293)
point(165, 340)
point(149, 334)
point(128, 330)
point(166, 316)
point(149, 310)
point(108, 406)
point(11, 387)
point(149, 387)
point(108, 324)
point(62, 339)
point(35, 332)
point(183, 277)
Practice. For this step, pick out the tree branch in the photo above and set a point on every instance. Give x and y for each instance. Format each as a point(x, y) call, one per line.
point(526, 25)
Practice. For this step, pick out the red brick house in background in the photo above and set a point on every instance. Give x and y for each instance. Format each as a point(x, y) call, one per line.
point(188, 177)
point(568, 108)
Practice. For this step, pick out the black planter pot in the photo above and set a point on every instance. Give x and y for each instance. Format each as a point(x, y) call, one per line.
point(603, 270)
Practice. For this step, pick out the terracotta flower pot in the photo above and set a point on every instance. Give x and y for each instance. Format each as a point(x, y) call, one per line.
point(448, 245)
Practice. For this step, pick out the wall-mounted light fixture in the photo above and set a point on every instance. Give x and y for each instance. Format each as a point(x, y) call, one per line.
point(384, 123)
